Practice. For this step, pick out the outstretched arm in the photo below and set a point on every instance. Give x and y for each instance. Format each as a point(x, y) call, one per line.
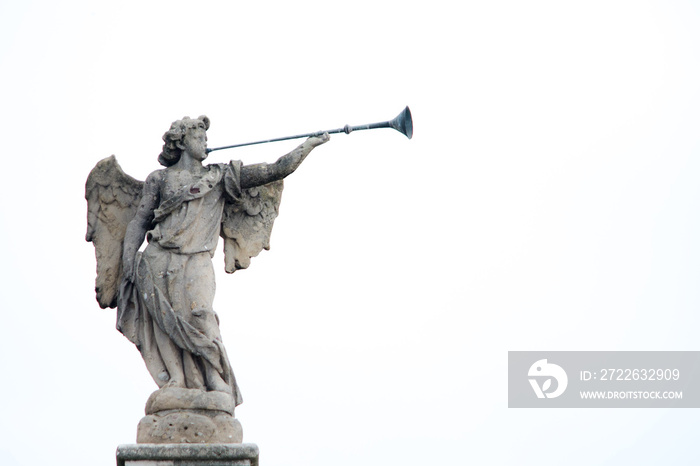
point(139, 225)
point(263, 173)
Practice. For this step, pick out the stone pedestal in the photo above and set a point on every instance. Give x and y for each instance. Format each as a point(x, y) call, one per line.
point(183, 415)
point(241, 454)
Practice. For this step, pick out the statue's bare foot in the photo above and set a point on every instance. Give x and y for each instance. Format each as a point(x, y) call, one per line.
point(223, 387)
point(216, 384)
point(175, 383)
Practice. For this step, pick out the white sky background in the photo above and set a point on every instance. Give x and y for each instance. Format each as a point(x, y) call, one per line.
point(548, 201)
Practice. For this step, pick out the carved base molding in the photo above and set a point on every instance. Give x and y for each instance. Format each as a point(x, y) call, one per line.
point(242, 454)
point(183, 415)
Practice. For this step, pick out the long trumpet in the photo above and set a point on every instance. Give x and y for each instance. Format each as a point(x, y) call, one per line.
point(403, 123)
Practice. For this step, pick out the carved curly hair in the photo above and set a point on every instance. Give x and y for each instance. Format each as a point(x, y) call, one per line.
point(171, 153)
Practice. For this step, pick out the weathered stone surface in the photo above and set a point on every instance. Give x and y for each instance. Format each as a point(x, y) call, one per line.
point(165, 294)
point(173, 398)
point(189, 426)
point(187, 415)
point(245, 454)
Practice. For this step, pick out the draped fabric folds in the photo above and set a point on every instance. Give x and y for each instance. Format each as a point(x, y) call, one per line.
point(173, 291)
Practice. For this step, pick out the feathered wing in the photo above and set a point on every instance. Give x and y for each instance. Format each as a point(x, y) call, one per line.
point(112, 197)
point(247, 225)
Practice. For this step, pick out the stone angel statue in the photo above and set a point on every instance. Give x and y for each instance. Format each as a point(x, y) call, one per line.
point(164, 295)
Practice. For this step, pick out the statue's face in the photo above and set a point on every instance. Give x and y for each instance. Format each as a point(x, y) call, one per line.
point(195, 140)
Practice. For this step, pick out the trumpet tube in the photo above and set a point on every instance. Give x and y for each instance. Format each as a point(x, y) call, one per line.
point(403, 123)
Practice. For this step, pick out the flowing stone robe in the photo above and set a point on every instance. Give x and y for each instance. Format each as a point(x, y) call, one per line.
point(174, 284)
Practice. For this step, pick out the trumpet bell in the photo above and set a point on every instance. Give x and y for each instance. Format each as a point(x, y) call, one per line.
point(403, 123)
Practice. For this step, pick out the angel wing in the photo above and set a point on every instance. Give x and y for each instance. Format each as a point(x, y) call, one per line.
point(247, 225)
point(112, 197)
